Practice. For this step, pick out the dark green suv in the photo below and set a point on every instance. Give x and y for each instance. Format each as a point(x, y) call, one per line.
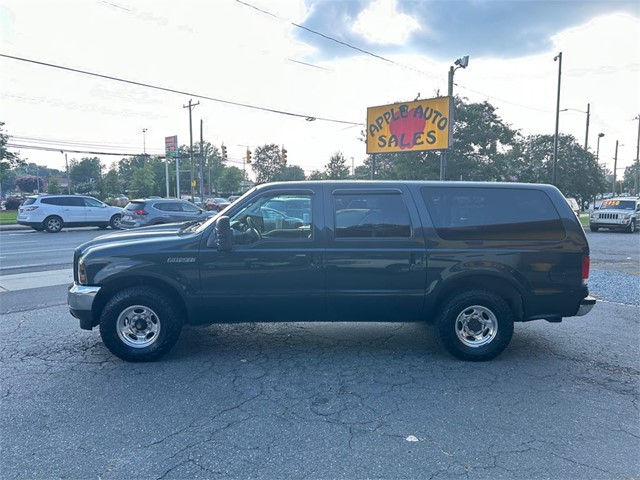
point(473, 258)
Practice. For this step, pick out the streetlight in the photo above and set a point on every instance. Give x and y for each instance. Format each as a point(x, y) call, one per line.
point(557, 58)
point(600, 135)
point(144, 141)
point(588, 112)
point(462, 62)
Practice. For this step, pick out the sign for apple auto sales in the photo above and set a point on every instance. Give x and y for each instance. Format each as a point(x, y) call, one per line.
point(410, 126)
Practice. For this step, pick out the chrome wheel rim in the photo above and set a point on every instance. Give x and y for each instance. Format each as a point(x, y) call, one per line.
point(138, 326)
point(476, 326)
point(115, 223)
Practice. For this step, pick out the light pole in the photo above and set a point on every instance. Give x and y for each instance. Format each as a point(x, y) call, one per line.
point(460, 63)
point(144, 141)
point(615, 166)
point(557, 58)
point(636, 183)
point(588, 112)
point(600, 135)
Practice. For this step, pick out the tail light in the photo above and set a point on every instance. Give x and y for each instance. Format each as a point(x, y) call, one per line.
point(29, 209)
point(586, 264)
point(140, 212)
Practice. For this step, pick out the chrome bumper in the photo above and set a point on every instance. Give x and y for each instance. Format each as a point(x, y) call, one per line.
point(585, 306)
point(80, 297)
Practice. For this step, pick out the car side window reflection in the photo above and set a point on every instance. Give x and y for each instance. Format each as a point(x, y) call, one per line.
point(274, 217)
point(371, 216)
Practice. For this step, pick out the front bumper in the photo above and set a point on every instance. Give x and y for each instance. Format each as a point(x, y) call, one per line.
point(80, 300)
point(586, 305)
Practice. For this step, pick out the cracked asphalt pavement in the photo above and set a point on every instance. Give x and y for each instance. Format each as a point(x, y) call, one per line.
point(321, 400)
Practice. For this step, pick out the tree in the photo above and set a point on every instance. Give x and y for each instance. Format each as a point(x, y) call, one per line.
point(143, 181)
point(266, 162)
point(578, 174)
point(111, 183)
point(53, 186)
point(632, 178)
point(317, 175)
point(290, 173)
point(8, 160)
point(27, 184)
point(230, 180)
point(337, 168)
point(87, 170)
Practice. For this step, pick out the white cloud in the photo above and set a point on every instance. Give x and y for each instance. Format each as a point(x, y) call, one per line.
point(382, 23)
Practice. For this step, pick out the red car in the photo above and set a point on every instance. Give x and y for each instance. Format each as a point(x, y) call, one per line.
point(216, 204)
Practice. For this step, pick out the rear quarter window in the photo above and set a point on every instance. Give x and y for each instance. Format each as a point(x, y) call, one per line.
point(474, 213)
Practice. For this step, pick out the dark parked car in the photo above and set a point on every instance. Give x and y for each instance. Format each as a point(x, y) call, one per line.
point(472, 258)
point(155, 211)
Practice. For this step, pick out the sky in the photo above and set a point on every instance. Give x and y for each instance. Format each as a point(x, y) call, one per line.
point(326, 60)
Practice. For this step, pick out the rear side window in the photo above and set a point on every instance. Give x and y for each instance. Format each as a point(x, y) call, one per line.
point(60, 201)
point(29, 201)
point(493, 214)
point(371, 216)
point(133, 206)
point(168, 206)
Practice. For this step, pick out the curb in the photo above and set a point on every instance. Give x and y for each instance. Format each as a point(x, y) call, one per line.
point(8, 227)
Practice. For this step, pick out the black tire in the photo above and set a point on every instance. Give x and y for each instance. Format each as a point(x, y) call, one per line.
point(478, 312)
point(140, 324)
point(53, 224)
point(594, 229)
point(114, 223)
point(632, 226)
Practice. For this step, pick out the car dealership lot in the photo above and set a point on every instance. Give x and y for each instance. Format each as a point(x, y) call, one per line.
point(321, 400)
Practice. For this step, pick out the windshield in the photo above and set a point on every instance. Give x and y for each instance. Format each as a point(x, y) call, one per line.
point(618, 205)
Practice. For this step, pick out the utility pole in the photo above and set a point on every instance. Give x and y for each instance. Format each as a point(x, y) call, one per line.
point(191, 106)
point(144, 141)
point(557, 58)
point(201, 165)
point(615, 166)
point(586, 135)
point(460, 63)
point(636, 183)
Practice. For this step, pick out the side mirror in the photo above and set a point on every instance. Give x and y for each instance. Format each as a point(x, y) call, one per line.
point(224, 238)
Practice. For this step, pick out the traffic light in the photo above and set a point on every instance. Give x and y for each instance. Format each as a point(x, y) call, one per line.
point(224, 152)
point(248, 156)
point(283, 156)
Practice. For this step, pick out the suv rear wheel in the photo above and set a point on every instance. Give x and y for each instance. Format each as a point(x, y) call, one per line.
point(140, 324)
point(53, 224)
point(476, 325)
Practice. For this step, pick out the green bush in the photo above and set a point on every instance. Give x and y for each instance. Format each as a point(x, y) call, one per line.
point(12, 203)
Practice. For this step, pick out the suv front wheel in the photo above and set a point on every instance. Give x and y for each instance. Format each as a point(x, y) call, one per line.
point(140, 324)
point(476, 325)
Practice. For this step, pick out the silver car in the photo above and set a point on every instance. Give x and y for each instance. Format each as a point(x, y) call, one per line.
point(154, 211)
point(619, 213)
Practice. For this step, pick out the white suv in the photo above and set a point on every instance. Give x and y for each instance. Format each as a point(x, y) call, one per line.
point(52, 212)
point(619, 213)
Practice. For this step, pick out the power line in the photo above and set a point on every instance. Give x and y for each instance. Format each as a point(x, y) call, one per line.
point(180, 92)
point(66, 150)
point(340, 42)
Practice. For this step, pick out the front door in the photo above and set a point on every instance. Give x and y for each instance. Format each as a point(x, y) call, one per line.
point(274, 270)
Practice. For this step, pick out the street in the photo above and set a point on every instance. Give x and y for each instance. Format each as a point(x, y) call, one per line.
point(319, 400)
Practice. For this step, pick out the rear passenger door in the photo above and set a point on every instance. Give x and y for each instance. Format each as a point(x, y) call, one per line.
point(375, 260)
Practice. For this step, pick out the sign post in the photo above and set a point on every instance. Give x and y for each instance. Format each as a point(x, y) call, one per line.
point(171, 151)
